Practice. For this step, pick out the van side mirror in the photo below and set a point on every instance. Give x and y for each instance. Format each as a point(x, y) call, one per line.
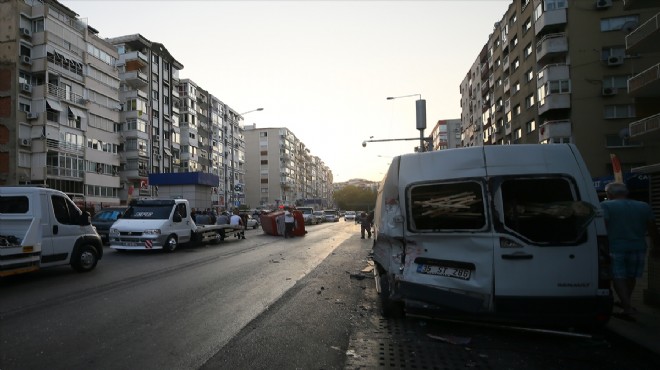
point(84, 219)
point(177, 217)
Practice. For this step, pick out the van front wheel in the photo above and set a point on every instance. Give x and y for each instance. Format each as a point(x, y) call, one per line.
point(84, 259)
point(170, 244)
point(389, 308)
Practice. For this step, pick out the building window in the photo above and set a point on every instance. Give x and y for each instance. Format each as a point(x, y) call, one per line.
point(264, 181)
point(527, 25)
point(515, 64)
point(38, 25)
point(555, 4)
point(528, 50)
point(516, 110)
point(263, 134)
point(612, 51)
point(530, 126)
point(516, 87)
point(24, 107)
point(264, 161)
point(517, 134)
point(529, 101)
point(619, 111)
point(618, 141)
point(263, 152)
point(618, 23)
point(514, 41)
point(616, 82)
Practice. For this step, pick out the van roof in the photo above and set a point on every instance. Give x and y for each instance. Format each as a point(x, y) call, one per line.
point(490, 160)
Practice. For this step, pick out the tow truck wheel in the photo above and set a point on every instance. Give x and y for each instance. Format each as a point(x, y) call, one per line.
point(84, 259)
point(389, 308)
point(170, 244)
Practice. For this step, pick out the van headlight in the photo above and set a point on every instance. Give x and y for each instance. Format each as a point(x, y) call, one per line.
point(151, 232)
point(113, 232)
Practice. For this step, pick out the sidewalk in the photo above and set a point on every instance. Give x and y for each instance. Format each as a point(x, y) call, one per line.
point(646, 330)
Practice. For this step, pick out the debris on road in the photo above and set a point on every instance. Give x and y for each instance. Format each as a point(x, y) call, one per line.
point(451, 339)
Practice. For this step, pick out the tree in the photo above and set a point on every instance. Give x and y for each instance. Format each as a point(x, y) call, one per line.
point(355, 198)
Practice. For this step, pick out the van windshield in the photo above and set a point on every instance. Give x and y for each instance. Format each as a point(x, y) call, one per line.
point(545, 210)
point(447, 206)
point(149, 212)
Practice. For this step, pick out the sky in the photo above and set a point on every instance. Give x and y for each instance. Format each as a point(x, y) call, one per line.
point(323, 69)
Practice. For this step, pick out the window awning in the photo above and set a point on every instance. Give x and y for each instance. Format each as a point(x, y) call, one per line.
point(167, 152)
point(77, 112)
point(54, 105)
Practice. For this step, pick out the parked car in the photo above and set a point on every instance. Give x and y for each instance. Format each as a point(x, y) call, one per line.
point(349, 216)
point(105, 218)
point(253, 222)
point(331, 215)
point(308, 215)
point(320, 216)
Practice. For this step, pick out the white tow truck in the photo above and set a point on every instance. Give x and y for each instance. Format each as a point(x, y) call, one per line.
point(161, 224)
point(41, 227)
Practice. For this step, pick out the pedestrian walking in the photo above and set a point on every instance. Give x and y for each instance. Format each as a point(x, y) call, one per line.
point(237, 220)
point(365, 225)
point(289, 223)
point(628, 221)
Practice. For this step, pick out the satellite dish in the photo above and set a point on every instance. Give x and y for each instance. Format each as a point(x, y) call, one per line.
point(624, 133)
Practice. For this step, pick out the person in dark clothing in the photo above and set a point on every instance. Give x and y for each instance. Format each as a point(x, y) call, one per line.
point(365, 225)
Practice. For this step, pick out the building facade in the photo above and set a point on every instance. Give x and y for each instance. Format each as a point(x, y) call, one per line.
point(58, 103)
point(644, 88)
point(556, 71)
point(149, 103)
point(447, 134)
point(281, 171)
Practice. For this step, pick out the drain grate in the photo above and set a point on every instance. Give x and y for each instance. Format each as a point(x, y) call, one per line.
point(404, 344)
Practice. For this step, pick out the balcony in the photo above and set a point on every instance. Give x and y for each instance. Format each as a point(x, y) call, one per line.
point(554, 129)
point(646, 37)
point(62, 94)
point(507, 85)
point(133, 94)
point(646, 83)
point(134, 59)
point(550, 19)
point(65, 147)
point(505, 63)
point(554, 101)
point(647, 128)
point(62, 172)
point(550, 45)
point(135, 79)
point(553, 72)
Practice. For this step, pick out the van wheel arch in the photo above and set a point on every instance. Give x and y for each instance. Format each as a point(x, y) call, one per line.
point(388, 307)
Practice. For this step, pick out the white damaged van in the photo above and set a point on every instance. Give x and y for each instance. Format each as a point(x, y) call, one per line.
point(509, 233)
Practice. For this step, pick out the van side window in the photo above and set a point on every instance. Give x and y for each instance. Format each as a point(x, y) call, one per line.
point(14, 204)
point(65, 211)
point(447, 206)
point(181, 208)
point(544, 210)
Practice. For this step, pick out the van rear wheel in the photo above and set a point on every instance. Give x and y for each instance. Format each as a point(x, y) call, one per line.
point(170, 244)
point(389, 308)
point(84, 258)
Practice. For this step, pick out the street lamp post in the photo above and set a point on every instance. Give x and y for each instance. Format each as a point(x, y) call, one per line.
point(420, 116)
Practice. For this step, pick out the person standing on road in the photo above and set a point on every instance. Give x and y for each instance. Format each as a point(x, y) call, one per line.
point(236, 220)
point(628, 221)
point(223, 219)
point(289, 223)
point(365, 225)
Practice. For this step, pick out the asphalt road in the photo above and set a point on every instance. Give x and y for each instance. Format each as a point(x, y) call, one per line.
point(153, 310)
point(261, 303)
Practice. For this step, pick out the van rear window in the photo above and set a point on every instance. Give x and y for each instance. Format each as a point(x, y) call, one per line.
point(545, 210)
point(14, 204)
point(447, 206)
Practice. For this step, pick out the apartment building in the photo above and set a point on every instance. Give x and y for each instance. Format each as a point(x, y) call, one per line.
point(58, 103)
point(555, 71)
point(471, 102)
point(149, 102)
point(447, 134)
point(282, 171)
point(644, 88)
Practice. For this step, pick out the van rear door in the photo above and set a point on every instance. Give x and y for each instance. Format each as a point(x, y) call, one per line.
point(449, 245)
point(546, 249)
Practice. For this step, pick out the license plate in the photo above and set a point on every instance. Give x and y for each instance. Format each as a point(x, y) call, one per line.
point(131, 244)
point(458, 273)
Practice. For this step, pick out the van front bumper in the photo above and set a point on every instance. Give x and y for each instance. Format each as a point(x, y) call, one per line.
point(137, 243)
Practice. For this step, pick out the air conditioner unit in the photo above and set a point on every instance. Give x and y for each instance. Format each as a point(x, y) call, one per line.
point(26, 59)
point(603, 4)
point(614, 61)
point(25, 142)
point(31, 115)
point(26, 32)
point(609, 91)
point(26, 87)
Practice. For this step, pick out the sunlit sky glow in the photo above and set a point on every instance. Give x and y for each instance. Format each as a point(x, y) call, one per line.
point(323, 69)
